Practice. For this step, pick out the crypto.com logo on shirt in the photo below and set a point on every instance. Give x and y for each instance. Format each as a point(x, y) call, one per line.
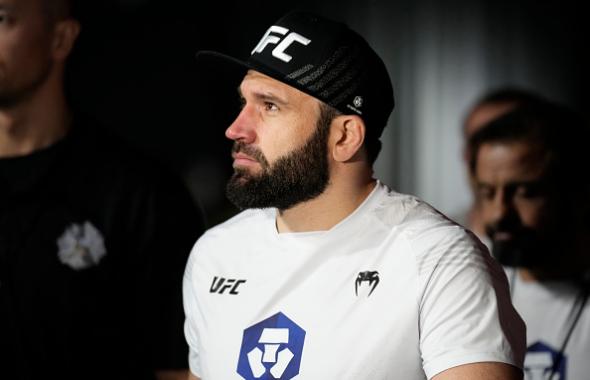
point(271, 349)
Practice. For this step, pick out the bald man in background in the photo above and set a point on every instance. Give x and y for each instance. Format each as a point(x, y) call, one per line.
point(486, 109)
point(93, 236)
point(530, 171)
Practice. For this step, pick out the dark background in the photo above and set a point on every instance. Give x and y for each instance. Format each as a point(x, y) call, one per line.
point(134, 69)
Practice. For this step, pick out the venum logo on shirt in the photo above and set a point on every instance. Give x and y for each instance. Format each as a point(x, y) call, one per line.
point(540, 360)
point(271, 349)
point(370, 278)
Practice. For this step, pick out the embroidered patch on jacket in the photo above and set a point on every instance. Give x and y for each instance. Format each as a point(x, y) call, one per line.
point(81, 246)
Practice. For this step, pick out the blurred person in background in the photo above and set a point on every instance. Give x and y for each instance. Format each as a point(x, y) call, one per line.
point(487, 108)
point(94, 237)
point(530, 171)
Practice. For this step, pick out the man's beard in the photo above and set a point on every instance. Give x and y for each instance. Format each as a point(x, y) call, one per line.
point(524, 251)
point(13, 94)
point(529, 248)
point(299, 176)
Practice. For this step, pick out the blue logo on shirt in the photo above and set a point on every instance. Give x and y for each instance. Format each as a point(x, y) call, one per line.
point(271, 349)
point(540, 360)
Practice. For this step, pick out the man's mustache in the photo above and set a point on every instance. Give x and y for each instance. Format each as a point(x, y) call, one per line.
point(253, 152)
point(523, 248)
point(510, 226)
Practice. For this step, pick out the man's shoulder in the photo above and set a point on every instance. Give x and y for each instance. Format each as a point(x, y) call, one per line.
point(97, 150)
point(425, 229)
point(412, 215)
point(243, 230)
point(92, 141)
point(250, 221)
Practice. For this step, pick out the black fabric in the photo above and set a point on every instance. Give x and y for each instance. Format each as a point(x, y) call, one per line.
point(121, 318)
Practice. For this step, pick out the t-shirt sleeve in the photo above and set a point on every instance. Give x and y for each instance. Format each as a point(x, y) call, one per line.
point(190, 329)
point(466, 315)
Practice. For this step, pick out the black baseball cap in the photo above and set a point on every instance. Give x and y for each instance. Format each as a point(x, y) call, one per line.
point(323, 58)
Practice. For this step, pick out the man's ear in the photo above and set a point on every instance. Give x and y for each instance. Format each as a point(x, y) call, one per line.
point(65, 34)
point(347, 137)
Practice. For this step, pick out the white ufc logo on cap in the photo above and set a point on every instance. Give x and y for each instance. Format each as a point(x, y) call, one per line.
point(279, 50)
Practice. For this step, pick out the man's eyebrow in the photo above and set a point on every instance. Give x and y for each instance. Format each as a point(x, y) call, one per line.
point(270, 97)
point(265, 97)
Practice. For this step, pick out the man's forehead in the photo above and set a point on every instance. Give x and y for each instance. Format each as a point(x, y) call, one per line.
point(14, 5)
point(518, 158)
point(8, 4)
point(260, 82)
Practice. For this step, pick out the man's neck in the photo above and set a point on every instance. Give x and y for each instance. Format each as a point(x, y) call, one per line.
point(338, 201)
point(35, 123)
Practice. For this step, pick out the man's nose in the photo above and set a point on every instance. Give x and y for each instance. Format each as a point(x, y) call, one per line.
point(242, 129)
point(503, 207)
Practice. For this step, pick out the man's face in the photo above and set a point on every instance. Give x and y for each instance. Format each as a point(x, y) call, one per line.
point(518, 201)
point(280, 151)
point(25, 49)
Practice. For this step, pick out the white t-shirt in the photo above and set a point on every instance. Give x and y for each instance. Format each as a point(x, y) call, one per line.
point(394, 291)
point(549, 310)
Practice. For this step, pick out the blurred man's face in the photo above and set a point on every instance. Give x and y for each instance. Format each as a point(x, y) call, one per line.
point(25, 49)
point(518, 201)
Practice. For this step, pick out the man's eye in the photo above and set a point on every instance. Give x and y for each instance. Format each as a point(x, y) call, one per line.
point(270, 106)
point(6, 17)
point(529, 191)
point(484, 192)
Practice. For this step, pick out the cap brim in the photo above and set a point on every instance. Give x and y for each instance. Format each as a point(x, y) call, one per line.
point(217, 80)
point(216, 66)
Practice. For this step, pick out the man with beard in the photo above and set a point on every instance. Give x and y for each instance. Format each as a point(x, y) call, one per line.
point(328, 274)
point(487, 108)
point(530, 168)
point(93, 238)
